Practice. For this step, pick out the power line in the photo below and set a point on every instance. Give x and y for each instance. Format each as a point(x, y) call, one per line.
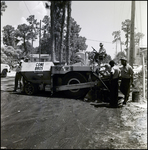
point(30, 14)
point(27, 7)
point(98, 41)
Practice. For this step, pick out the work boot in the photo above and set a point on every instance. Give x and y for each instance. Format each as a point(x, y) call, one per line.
point(125, 100)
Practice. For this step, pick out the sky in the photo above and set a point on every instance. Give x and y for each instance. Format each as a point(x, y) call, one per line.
point(97, 19)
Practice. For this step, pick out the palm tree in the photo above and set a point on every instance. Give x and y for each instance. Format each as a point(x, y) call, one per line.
point(117, 37)
point(138, 37)
point(126, 28)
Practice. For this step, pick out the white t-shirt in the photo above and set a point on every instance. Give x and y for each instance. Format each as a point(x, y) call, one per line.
point(115, 72)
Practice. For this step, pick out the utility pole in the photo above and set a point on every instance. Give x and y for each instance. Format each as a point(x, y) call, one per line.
point(143, 71)
point(127, 54)
point(32, 38)
point(132, 36)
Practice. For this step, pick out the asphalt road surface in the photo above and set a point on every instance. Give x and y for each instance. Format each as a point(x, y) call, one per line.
point(45, 122)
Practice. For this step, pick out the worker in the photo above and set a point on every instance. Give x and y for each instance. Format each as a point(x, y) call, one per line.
point(126, 79)
point(102, 52)
point(18, 74)
point(114, 78)
point(100, 55)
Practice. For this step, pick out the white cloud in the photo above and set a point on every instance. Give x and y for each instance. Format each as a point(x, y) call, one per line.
point(36, 8)
point(23, 20)
point(40, 11)
point(15, 26)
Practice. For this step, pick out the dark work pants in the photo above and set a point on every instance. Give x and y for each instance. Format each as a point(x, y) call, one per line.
point(17, 78)
point(114, 92)
point(125, 87)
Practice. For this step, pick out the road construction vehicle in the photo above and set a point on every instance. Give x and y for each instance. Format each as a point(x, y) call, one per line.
point(73, 80)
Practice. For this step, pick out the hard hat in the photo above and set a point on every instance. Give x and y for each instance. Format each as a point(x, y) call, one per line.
point(101, 44)
point(123, 58)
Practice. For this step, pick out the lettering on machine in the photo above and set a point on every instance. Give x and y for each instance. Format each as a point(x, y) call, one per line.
point(39, 66)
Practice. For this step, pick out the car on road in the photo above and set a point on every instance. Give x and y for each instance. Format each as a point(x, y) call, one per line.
point(5, 68)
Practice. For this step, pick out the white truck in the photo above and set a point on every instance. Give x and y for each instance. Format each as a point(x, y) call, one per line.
point(5, 68)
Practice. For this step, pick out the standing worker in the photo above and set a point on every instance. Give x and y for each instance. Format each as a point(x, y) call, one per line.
point(115, 73)
point(126, 79)
point(18, 75)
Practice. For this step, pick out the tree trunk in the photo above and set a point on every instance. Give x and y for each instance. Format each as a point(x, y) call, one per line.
point(127, 54)
point(55, 46)
point(32, 41)
point(68, 32)
point(39, 43)
point(62, 36)
point(52, 31)
point(25, 49)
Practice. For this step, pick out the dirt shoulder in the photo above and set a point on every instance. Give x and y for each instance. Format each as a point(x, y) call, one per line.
point(41, 121)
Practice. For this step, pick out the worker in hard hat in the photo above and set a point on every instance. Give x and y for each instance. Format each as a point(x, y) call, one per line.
point(126, 78)
point(102, 51)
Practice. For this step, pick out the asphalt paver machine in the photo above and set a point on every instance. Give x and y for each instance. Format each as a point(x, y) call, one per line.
point(73, 80)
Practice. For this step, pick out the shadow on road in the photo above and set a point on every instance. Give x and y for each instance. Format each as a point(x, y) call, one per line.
point(106, 104)
point(45, 94)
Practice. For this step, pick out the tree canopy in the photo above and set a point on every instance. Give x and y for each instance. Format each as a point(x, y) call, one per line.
point(3, 7)
point(8, 35)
